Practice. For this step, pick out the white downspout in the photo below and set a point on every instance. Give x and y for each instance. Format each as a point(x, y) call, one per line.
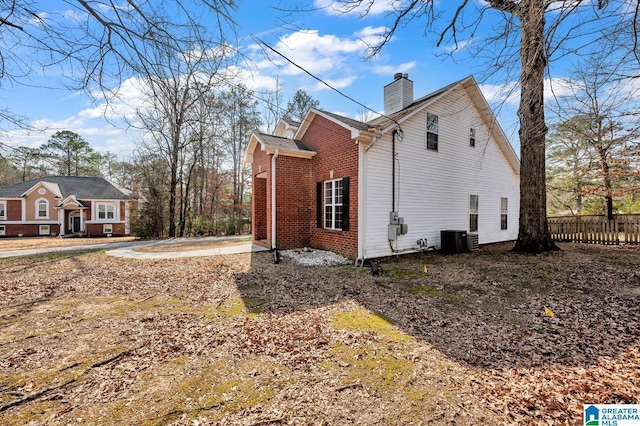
point(273, 198)
point(362, 208)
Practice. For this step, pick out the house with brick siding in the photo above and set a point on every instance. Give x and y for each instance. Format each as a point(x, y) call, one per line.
point(64, 205)
point(391, 185)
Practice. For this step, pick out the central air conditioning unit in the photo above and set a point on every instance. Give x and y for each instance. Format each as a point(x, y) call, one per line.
point(453, 241)
point(473, 241)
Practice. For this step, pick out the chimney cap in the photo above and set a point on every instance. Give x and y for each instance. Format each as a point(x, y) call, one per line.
point(397, 76)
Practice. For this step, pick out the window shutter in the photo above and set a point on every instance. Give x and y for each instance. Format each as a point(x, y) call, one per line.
point(345, 204)
point(319, 204)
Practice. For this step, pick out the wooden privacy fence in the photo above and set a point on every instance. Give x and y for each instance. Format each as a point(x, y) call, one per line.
point(624, 228)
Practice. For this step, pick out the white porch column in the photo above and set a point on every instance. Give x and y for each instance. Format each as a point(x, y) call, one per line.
point(61, 221)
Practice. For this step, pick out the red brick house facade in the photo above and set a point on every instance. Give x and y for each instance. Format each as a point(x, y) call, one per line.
point(390, 185)
point(326, 152)
point(64, 205)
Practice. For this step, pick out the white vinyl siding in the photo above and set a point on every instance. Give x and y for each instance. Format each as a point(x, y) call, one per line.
point(432, 192)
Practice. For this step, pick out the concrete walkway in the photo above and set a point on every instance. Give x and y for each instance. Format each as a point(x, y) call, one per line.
point(239, 247)
point(127, 249)
point(29, 252)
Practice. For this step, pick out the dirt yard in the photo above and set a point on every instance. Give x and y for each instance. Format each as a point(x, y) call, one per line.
point(237, 340)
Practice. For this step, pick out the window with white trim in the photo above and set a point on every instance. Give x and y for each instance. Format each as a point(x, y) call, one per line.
point(432, 132)
point(472, 137)
point(42, 209)
point(45, 230)
point(3, 230)
point(473, 213)
point(333, 208)
point(107, 228)
point(3, 209)
point(504, 211)
point(106, 211)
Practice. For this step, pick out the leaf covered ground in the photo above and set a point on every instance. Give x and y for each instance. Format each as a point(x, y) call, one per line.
point(237, 340)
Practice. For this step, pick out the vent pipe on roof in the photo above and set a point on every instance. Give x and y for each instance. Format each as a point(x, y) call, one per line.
point(398, 94)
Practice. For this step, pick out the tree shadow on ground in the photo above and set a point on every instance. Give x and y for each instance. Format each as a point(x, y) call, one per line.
point(483, 309)
point(36, 265)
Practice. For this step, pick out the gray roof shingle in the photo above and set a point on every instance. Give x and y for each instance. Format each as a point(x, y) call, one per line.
point(359, 125)
point(282, 143)
point(84, 188)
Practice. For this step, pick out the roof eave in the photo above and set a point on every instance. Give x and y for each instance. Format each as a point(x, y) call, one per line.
point(290, 153)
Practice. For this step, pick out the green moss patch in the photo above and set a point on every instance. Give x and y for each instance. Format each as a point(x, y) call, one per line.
point(378, 368)
point(366, 321)
point(181, 390)
point(248, 306)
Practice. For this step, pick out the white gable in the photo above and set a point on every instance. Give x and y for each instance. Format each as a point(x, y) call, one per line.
point(433, 187)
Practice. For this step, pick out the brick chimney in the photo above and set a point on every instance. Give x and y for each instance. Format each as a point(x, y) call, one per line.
point(398, 94)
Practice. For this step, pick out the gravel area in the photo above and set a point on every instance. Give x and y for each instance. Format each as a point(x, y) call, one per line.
point(314, 257)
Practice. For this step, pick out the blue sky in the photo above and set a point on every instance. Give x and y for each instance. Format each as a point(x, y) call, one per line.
point(329, 44)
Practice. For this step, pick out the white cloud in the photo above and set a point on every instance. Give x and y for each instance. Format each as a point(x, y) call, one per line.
point(371, 36)
point(457, 46)
point(314, 52)
point(390, 70)
point(100, 134)
point(252, 79)
point(509, 93)
point(496, 94)
point(558, 88)
point(340, 83)
point(378, 7)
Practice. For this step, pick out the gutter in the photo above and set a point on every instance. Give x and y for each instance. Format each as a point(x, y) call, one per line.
point(273, 199)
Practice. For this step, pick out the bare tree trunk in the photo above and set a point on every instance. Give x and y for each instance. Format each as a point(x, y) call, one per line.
point(533, 234)
point(185, 206)
point(173, 185)
point(606, 180)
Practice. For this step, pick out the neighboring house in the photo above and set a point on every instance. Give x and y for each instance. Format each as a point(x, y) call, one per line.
point(65, 205)
point(374, 189)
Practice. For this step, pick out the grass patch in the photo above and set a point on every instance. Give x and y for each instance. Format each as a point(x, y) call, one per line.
point(33, 414)
point(248, 306)
point(426, 290)
point(376, 367)
point(404, 273)
point(178, 390)
point(364, 320)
